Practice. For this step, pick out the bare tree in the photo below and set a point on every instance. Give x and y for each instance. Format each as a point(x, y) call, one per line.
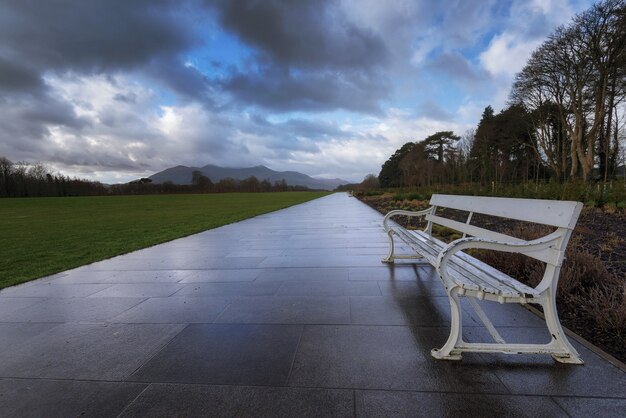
point(580, 69)
point(370, 182)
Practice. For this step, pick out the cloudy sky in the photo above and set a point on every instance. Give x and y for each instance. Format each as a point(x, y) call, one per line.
point(113, 90)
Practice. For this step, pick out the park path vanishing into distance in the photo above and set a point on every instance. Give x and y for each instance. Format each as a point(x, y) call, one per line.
point(290, 313)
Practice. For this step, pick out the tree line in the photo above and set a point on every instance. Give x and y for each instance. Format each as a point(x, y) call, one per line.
point(564, 119)
point(202, 184)
point(24, 180)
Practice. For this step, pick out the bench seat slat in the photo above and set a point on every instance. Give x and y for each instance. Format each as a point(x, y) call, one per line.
point(490, 281)
point(424, 249)
point(469, 272)
point(479, 267)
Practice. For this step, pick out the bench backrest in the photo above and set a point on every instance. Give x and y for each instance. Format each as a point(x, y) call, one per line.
point(560, 214)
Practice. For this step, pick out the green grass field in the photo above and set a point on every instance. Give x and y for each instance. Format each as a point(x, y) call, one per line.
point(42, 236)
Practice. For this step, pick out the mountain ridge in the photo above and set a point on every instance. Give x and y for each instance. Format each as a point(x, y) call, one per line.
point(182, 174)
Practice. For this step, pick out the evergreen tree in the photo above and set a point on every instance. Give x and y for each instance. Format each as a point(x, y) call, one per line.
point(439, 144)
point(390, 173)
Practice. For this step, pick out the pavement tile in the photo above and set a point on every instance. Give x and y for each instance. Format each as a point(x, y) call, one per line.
point(225, 354)
point(48, 290)
point(593, 407)
point(168, 400)
point(412, 288)
point(255, 252)
point(12, 335)
point(288, 310)
point(138, 290)
point(232, 275)
point(329, 288)
point(375, 404)
point(228, 289)
point(539, 374)
point(158, 276)
point(65, 398)
point(330, 261)
point(374, 252)
point(9, 305)
point(82, 277)
point(398, 272)
point(177, 264)
point(73, 310)
point(302, 274)
point(87, 351)
point(379, 357)
point(508, 315)
point(175, 310)
point(388, 310)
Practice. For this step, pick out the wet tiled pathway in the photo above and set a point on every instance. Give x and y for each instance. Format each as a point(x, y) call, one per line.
point(286, 314)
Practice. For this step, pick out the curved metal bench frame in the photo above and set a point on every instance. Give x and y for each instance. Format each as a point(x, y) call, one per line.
point(492, 285)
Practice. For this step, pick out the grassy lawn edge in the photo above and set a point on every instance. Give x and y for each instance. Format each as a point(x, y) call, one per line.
point(45, 236)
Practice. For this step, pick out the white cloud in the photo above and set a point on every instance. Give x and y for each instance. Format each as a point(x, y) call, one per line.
point(373, 142)
point(507, 54)
point(126, 133)
point(527, 26)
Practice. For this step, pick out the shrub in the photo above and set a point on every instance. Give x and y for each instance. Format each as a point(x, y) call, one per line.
point(606, 306)
point(415, 196)
point(593, 194)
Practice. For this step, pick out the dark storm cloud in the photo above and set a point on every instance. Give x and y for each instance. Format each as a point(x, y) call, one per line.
point(455, 65)
point(100, 160)
point(185, 80)
point(313, 129)
point(309, 56)
point(93, 37)
point(89, 35)
point(17, 78)
point(297, 128)
point(125, 98)
point(52, 112)
point(306, 34)
point(286, 90)
point(30, 111)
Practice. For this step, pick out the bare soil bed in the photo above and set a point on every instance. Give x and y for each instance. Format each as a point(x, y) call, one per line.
point(592, 287)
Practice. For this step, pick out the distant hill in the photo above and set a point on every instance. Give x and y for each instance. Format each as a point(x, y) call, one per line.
point(182, 175)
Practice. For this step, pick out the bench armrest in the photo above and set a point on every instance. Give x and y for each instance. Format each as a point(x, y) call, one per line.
point(405, 213)
point(545, 244)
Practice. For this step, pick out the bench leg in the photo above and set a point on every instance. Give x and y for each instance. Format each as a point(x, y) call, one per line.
point(569, 355)
point(390, 256)
point(448, 352)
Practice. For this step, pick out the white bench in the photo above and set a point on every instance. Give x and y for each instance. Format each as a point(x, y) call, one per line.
point(464, 275)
